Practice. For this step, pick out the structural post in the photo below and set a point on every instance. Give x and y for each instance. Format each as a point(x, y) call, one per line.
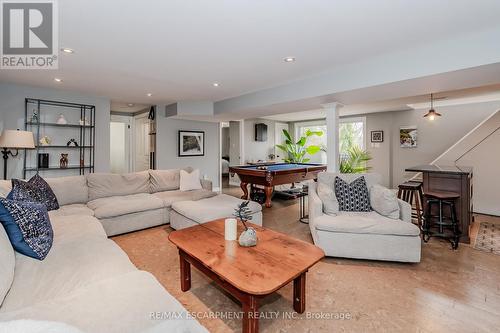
point(332, 138)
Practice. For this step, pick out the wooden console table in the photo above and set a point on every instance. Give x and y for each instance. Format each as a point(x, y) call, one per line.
point(247, 273)
point(451, 179)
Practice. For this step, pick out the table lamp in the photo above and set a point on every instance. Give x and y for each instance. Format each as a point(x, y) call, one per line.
point(14, 139)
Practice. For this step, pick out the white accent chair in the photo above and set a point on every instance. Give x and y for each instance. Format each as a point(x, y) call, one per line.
point(363, 235)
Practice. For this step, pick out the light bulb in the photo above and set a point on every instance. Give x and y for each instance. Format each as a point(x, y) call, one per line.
point(431, 117)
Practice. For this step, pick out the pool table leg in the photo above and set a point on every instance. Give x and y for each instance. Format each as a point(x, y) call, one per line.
point(245, 190)
point(269, 194)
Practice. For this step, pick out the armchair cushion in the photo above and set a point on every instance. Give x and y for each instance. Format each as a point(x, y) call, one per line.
point(384, 202)
point(328, 199)
point(365, 223)
point(352, 197)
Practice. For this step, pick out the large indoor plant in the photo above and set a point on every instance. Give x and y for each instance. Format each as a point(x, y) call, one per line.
point(355, 161)
point(297, 151)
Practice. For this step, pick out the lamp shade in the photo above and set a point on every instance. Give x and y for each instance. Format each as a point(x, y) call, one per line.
point(16, 139)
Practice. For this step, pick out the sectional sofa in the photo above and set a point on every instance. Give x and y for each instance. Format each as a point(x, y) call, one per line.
point(86, 280)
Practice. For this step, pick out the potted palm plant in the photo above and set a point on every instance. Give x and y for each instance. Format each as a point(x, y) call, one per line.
point(296, 151)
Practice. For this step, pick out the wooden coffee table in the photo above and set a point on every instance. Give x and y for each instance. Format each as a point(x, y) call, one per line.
point(246, 273)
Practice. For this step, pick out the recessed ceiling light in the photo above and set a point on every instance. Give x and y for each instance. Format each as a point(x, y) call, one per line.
point(58, 79)
point(289, 59)
point(215, 84)
point(149, 94)
point(130, 105)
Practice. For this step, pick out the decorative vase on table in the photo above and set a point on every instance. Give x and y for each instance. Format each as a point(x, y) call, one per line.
point(249, 236)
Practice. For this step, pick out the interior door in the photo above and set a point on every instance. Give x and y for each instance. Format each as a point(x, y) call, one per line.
point(279, 139)
point(142, 147)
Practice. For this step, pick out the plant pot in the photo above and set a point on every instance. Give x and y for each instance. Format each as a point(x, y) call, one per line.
point(248, 237)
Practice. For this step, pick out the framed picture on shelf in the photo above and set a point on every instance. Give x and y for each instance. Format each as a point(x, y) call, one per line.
point(377, 136)
point(191, 143)
point(408, 137)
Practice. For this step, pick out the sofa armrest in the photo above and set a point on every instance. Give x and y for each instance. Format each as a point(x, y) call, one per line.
point(314, 203)
point(404, 211)
point(206, 184)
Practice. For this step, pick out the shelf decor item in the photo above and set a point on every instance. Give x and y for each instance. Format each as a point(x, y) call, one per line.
point(45, 140)
point(43, 160)
point(72, 143)
point(63, 162)
point(191, 143)
point(55, 123)
point(61, 120)
point(249, 236)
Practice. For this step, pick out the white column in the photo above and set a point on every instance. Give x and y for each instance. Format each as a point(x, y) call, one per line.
point(332, 138)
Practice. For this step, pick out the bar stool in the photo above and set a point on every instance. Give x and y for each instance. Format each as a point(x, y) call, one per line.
point(412, 193)
point(440, 225)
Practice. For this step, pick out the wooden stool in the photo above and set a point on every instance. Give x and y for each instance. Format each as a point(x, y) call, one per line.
point(412, 193)
point(437, 225)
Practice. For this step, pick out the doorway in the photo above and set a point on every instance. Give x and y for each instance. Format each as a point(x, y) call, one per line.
point(119, 144)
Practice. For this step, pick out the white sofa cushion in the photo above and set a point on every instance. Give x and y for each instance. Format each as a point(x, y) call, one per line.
point(103, 185)
point(328, 199)
point(73, 228)
point(69, 190)
point(73, 209)
point(219, 206)
point(365, 223)
point(164, 180)
point(7, 264)
point(190, 180)
point(123, 304)
point(384, 201)
point(36, 326)
point(5, 188)
point(69, 265)
point(122, 205)
point(169, 197)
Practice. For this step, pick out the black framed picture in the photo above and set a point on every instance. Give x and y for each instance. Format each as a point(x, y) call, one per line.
point(191, 143)
point(377, 136)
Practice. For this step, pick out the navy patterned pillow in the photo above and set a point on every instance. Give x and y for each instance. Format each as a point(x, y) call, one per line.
point(352, 197)
point(28, 226)
point(35, 190)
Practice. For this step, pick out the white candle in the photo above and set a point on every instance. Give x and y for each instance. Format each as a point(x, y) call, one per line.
point(230, 229)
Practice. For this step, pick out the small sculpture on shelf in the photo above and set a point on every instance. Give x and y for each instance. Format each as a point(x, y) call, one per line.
point(84, 122)
point(34, 117)
point(249, 236)
point(63, 162)
point(61, 120)
point(45, 140)
point(72, 143)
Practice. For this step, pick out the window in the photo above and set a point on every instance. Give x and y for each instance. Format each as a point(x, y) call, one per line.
point(352, 133)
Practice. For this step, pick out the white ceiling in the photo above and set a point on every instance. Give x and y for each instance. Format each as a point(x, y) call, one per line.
point(176, 49)
point(128, 107)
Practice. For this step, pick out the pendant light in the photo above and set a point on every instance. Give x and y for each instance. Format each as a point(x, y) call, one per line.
point(432, 114)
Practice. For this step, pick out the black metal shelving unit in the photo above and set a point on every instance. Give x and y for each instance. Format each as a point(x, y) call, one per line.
point(86, 134)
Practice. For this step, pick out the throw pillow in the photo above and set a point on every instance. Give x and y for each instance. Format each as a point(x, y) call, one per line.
point(328, 198)
point(190, 180)
point(28, 226)
point(352, 197)
point(384, 202)
point(35, 190)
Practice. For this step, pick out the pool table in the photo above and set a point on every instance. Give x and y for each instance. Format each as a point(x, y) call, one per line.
point(274, 174)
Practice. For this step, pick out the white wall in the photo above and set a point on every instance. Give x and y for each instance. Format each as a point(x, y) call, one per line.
point(225, 141)
point(12, 117)
point(167, 143)
point(256, 150)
